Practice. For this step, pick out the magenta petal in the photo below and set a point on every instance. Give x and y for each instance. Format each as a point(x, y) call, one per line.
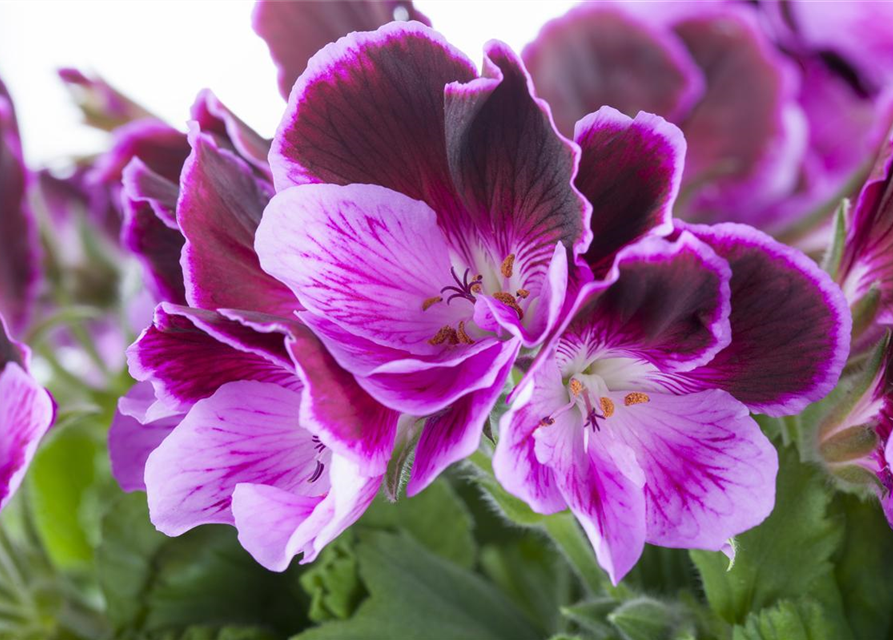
point(150, 229)
point(602, 484)
point(274, 525)
point(296, 30)
point(369, 109)
point(630, 171)
point(455, 433)
point(669, 305)
point(215, 118)
point(26, 413)
point(597, 54)
point(133, 436)
point(245, 432)
point(188, 353)
point(709, 470)
point(221, 204)
point(363, 257)
point(514, 462)
point(19, 247)
point(161, 148)
point(790, 324)
point(512, 170)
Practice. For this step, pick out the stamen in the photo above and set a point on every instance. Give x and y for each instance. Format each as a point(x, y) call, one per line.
point(476, 287)
point(548, 421)
point(507, 265)
point(430, 302)
point(509, 300)
point(463, 337)
point(522, 293)
point(445, 334)
point(317, 473)
point(635, 398)
point(576, 387)
point(607, 406)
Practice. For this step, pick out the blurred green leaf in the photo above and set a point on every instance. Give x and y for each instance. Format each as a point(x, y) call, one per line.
point(646, 619)
point(333, 581)
point(804, 619)
point(417, 595)
point(787, 556)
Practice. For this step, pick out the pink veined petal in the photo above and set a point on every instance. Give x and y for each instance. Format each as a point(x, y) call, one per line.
point(296, 30)
point(630, 171)
point(26, 413)
point(602, 484)
point(514, 462)
point(599, 54)
point(247, 432)
point(221, 203)
point(790, 325)
point(709, 470)
point(364, 257)
point(455, 432)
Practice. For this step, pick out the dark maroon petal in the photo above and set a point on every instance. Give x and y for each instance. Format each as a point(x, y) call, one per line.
point(103, 106)
point(221, 204)
point(598, 54)
point(150, 229)
point(669, 305)
point(741, 136)
point(19, 248)
point(229, 130)
point(188, 354)
point(630, 171)
point(296, 30)
point(790, 324)
point(160, 147)
point(12, 350)
point(512, 170)
point(369, 109)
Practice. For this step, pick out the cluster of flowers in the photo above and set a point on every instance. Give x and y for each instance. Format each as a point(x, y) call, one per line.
point(419, 240)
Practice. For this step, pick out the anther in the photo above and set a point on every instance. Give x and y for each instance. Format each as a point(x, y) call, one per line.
point(548, 421)
point(522, 293)
point(635, 398)
point(607, 406)
point(509, 300)
point(508, 265)
point(576, 387)
point(445, 334)
point(463, 337)
point(430, 302)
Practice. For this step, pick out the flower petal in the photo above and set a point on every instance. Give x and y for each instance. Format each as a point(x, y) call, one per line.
point(133, 436)
point(598, 54)
point(150, 229)
point(369, 109)
point(188, 354)
point(630, 171)
point(602, 484)
point(669, 306)
point(512, 170)
point(364, 257)
point(709, 470)
point(790, 324)
point(221, 204)
point(245, 432)
point(26, 413)
point(455, 433)
point(294, 31)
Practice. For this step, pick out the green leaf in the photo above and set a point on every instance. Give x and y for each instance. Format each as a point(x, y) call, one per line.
point(155, 583)
point(515, 509)
point(205, 633)
point(416, 595)
point(834, 254)
point(788, 556)
point(863, 569)
point(333, 581)
point(437, 518)
point(645, 619)
point(662, 571)
point(804, 619)
point(591, 616)
point(60, 477)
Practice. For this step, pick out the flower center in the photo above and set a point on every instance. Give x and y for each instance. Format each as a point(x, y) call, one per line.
point(595, 407)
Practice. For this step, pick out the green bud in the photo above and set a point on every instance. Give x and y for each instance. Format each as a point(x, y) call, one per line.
point(850, 444)
point(854, 477)
point(865, 310)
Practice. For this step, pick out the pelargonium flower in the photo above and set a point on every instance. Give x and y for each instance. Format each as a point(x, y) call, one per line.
point(26, 413)
point(19, 249)
point(637, 416)
point(425, 219)
point(296, 30)
point(779, 114)
point(224, 425)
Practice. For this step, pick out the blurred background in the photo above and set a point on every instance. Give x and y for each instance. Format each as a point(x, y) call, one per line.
point(162, 53)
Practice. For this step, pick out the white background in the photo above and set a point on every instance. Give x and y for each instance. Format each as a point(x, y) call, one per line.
point(162, 52)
